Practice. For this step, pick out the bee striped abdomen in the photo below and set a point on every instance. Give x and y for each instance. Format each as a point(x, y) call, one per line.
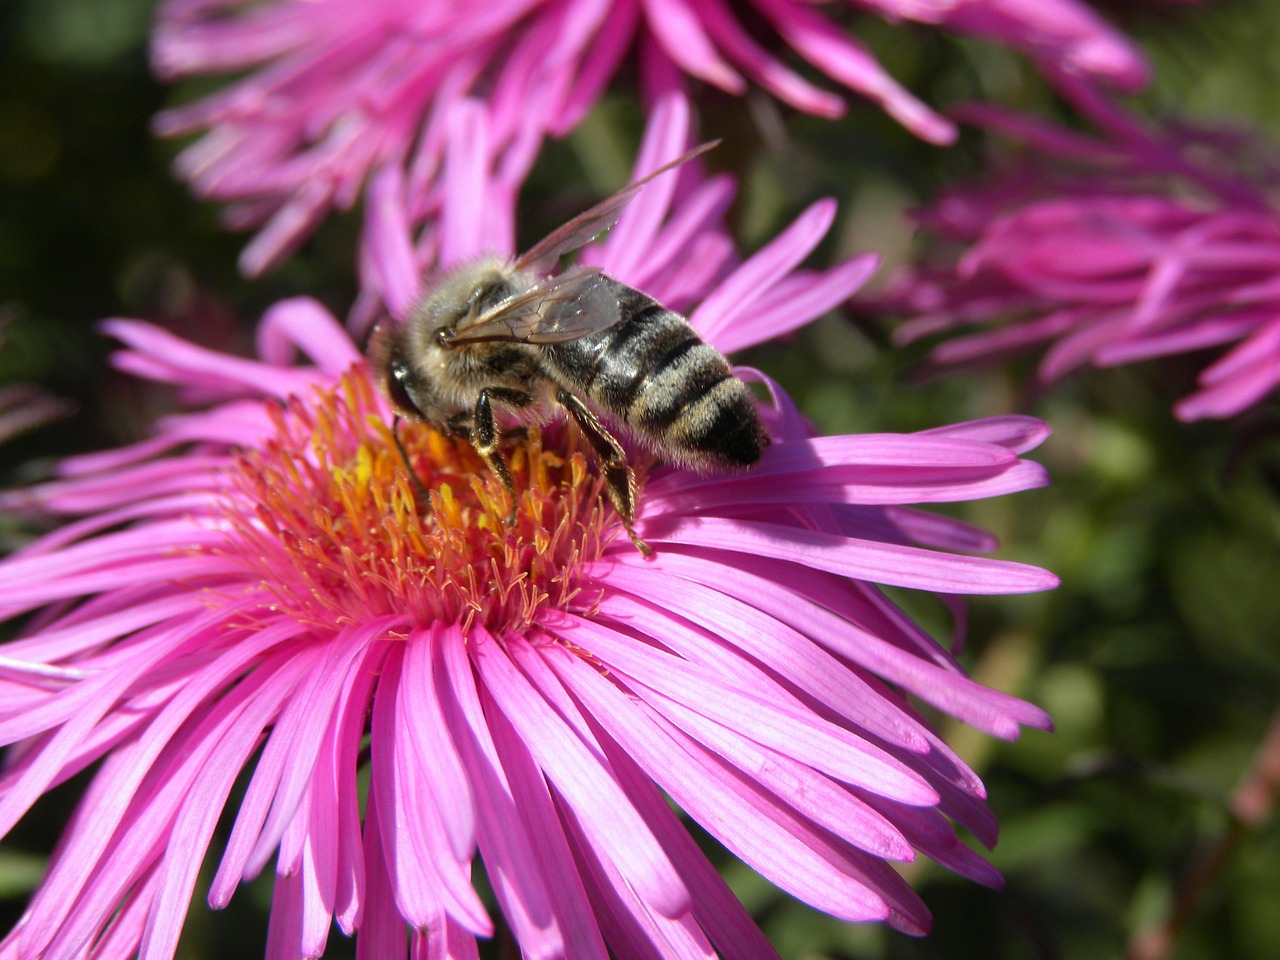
point(652, 372)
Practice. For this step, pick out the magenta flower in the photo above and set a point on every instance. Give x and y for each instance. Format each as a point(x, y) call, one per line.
point(260, 578)
point(1128, 246)
point(333, 90)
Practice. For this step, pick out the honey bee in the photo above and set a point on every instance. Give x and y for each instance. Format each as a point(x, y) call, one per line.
point(512, 335)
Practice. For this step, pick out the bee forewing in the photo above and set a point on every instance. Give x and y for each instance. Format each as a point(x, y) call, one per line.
point(573, 304)
point(589, 224)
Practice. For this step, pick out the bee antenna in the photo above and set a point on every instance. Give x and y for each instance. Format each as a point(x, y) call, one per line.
point(420, 490)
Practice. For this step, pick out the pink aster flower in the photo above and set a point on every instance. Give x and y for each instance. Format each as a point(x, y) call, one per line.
point(1129, 245)
point(333, 90)
point(260, 580)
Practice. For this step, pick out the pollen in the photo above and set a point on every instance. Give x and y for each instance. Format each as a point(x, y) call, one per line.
point(338, 529)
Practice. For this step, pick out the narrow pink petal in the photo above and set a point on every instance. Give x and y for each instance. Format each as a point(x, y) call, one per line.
point(861, 559)
point(1257, 355)
point(584, 783)
point(784, 83)
point(709, 256)
point(920, 527)
point(773, 592)
point(134, 850)
point(428, 733)
point(794, 302)
point(317, 874)
point(676, 27)
point(466, 165)
point(526, 854)
point(388, 249)
point(626, 919)
point(847, 485)
point(120, 939)
point(419, 809)
point(413, 883)
point(383, 935)
point(624, 916)
point(302, 729)
point(287, 230)
point(187, 361)
point(351, 899)
point(1206, 332)
point(262, 787)
point(610, 45)
point(31, 939)
point(542, 818)
point(1254, 369)
point(905, 455)
point(80, 708)
point(72, 636)
point(692, 219)
point(808, 738)
point(247, 711)
point(304, 324)
point(666, 136)
point(1020, 434)
point(284, 920)
point(427, 879)
point(444, 940)
point(786, 651)
point(842, 58)
point(105, 820)
point(759, 830)
point(809, 793)
point(193, 570)
point(738, 294)
point(121, 548)
point(716, 908)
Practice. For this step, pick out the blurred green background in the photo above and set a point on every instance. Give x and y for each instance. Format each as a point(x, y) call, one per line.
point(1159, 657)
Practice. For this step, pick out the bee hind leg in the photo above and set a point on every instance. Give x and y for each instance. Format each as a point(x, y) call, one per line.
point(620, 482)
point(485, 435)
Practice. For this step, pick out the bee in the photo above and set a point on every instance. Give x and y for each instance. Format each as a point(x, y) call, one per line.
point(512, 335)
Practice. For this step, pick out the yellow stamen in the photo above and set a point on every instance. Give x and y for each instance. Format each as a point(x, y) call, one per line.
point(336, 528)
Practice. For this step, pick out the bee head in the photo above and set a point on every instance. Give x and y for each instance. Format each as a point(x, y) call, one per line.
point(464, 293)
point(392, 373)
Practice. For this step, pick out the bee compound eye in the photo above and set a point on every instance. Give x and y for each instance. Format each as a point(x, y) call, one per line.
point(398, 375)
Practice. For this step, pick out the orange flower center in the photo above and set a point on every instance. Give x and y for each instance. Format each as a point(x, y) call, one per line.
point(338, 530)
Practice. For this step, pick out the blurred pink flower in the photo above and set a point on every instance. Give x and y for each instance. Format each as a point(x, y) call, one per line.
point(258, 577)
point(1124, 246)
point(332, 90)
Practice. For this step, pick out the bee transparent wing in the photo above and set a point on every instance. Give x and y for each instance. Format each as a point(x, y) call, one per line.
point(565, 307)
point(589, 224)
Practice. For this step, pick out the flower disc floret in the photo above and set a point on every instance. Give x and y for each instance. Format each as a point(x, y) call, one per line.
point(338, 530)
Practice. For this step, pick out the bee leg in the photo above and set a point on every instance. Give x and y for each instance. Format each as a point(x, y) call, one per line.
point(460, 425)
point(620, 482)
point(485, 436)
point(423, 497)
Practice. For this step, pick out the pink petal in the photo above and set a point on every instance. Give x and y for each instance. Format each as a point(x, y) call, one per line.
point(584, 783)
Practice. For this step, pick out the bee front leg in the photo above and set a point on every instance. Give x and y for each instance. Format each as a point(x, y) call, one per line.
point(485, 436)
point(424, 498)
point(620, 482)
